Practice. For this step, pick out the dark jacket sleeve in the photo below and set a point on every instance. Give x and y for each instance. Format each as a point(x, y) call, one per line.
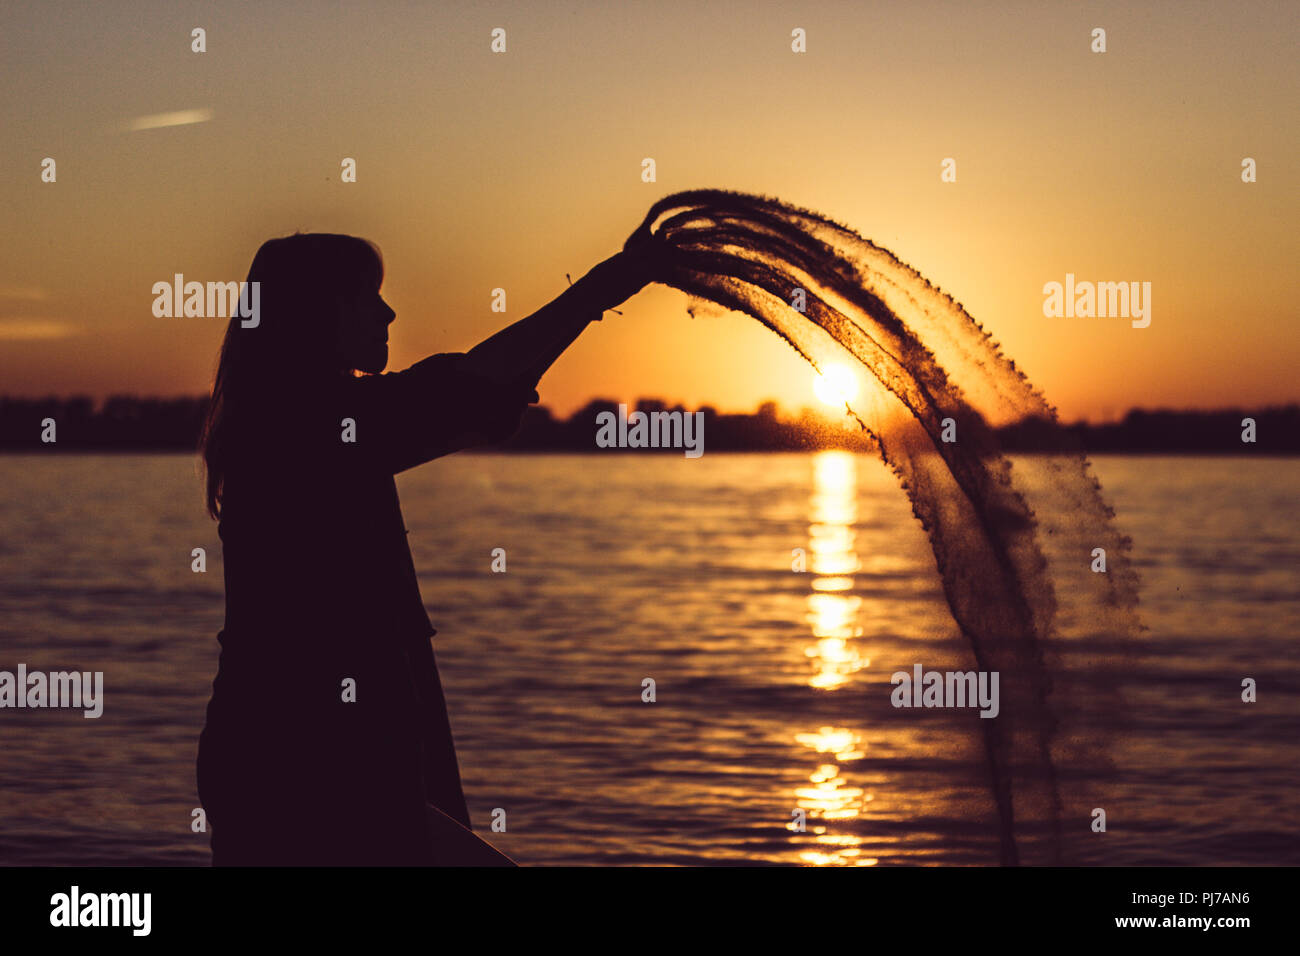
point(435, 407)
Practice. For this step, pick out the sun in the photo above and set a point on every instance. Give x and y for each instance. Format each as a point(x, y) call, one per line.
point(835, 385)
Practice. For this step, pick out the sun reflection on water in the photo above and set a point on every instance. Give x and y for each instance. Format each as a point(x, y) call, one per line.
point(833, 616)
point(830, 798)
point(832, 612)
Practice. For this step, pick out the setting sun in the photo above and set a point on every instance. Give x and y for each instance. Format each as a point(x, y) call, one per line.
point(836, 385)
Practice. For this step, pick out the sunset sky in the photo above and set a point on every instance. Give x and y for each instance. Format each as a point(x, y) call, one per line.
point(478, 170)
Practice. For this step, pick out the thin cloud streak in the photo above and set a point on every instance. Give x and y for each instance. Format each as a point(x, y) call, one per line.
point(177, 118)
point(29, 330)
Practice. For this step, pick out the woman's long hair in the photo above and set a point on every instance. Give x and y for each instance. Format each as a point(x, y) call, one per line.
point(292, 350)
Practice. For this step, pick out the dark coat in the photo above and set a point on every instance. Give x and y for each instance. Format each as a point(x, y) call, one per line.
point(321, 590)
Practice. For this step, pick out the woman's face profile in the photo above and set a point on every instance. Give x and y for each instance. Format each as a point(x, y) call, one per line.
point(363, 331)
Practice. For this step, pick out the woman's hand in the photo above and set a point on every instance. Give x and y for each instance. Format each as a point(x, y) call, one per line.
point(618, 278)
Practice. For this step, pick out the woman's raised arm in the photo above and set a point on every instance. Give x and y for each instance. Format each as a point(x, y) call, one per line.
point(521, 353)
point(452, 401)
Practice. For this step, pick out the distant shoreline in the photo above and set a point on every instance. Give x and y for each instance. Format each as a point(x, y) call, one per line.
point(132, 425)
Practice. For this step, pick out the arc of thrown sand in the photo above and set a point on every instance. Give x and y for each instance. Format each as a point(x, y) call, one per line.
point(693, 243)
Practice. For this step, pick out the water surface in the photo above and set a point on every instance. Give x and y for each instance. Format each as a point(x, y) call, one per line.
point(772, 685)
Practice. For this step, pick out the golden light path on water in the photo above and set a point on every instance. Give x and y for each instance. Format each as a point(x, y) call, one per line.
point(833, 615)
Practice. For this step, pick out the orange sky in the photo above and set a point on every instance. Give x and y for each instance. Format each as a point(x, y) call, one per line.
point(478, 170)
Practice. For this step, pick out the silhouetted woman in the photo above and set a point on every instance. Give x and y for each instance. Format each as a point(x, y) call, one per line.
point(327, 739)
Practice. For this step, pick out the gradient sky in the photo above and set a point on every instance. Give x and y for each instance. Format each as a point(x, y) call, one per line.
point(478, 170)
